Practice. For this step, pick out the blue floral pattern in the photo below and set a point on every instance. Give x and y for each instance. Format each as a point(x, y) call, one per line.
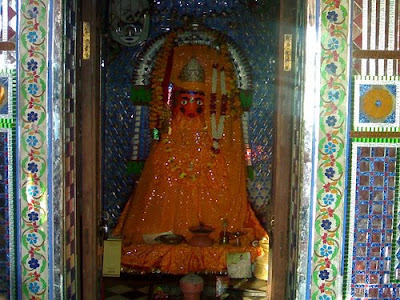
point(33, 190)
point(32, 37)
point(333, 95)
point(32, 65)
point(328, 199)
point(330, 148)
point(326, 250)
point(33, 263)
point(34, 287)
point(331, 121)
point(332, 16)
point(32, 116)
point(31, 139)
point(331, 68)
point(33, 89)
point(333, 44)
point(32, 238)
point(324, 274)
point(329, 173)
point(33, 216)
point(326, 224)
point(32, 167)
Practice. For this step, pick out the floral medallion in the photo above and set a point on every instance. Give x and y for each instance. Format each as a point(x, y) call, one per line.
point(376, 103)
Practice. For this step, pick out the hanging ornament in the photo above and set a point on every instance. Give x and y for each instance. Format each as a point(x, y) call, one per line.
point(217, 130)
point(129, 21)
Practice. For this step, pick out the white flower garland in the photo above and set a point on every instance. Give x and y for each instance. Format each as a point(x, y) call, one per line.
point(217, 130)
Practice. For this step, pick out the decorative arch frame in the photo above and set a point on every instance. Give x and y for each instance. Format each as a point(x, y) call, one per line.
point(193, 34)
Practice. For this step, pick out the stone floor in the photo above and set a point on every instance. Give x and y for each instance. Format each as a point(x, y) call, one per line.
point(158, 286)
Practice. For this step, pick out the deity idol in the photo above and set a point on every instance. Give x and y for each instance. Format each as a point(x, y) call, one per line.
point(196, 172)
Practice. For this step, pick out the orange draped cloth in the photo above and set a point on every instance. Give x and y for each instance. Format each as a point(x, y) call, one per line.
point(182, 258)
point(184, 183)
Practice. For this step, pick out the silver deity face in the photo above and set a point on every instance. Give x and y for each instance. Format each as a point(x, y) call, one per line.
point(129, 21)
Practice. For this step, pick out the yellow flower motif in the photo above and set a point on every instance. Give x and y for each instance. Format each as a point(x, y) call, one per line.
point(377, 104)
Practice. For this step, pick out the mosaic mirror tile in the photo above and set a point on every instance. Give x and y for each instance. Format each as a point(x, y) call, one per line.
point(376, 103)
point(8, 30)
point(372, 251)
point(71, 240)
point(253, 30)
point(4, 211)
point(7, 200)
point(6, 94)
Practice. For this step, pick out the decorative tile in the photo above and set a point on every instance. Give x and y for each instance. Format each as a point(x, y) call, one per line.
point(374, 177)
point(376, 103)
point(7, 95)
point(7, 186)
point(33, 170)
point(331, 162)
point(70, 153)
point(7, 200)
point(8, 26)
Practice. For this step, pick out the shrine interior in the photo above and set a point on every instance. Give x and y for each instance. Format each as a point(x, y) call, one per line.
point(130, 43)
point(230, 148)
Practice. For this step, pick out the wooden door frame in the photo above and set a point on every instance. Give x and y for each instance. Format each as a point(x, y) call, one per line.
point(282, 166)
point(89, 147)
point(283, 155)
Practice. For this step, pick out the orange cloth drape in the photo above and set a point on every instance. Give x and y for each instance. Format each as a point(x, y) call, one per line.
point(182, 258)
point(184, 182)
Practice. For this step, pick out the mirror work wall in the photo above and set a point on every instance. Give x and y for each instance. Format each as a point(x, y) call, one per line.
point(355, 222)
point(372, 267)
point(8, 88)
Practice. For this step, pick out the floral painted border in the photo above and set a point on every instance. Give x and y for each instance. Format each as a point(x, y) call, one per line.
point(328, 222)
point(33, 148)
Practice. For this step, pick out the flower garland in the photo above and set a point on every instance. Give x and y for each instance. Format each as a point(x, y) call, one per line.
point(217, 130)
point(226, 79)
point(160, 114)
point(160, 111)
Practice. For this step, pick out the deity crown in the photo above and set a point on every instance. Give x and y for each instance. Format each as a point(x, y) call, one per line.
point(192, 71)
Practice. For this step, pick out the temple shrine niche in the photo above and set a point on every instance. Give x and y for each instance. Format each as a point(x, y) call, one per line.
point(190, 131)
point(195, 177)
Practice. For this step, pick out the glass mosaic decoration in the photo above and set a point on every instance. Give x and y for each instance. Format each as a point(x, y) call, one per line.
point(325, 279)
point(372, 210)
point(33, 151)
point(71, 240)
point(6, 94)
point(375, 37)
point(8, 24)
point(376, 103)
point(7, 200)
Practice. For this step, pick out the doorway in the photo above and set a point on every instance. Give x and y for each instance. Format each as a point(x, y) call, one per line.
point(105, 119)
